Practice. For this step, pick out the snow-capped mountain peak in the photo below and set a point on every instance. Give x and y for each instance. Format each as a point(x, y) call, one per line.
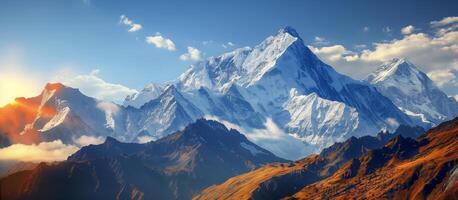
point(151, 91)
point(396, 67)
point(413, 92)
point(265, 75)
point(289, 30)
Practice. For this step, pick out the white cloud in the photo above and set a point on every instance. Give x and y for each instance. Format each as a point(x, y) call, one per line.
point(408, 30)
point(85, 140)
point(392, 122)
point(108, 107)
point(227, 45)
point(92, 85)
point(45, 151)
point(145, 139)
point(273, 139)
point(366, 29)
point(133, 27)
point(444, 77)
point(161, 42)
point(386, 29)
point(110, 110)
point(335, 53)
point(445, 21)
point(192, 54)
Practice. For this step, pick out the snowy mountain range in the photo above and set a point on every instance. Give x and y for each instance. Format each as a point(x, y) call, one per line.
point(282, 80)
point(278, 92)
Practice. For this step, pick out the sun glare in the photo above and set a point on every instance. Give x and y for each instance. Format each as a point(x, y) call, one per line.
point(12, 87)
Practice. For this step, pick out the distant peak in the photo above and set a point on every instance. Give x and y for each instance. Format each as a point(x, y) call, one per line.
point(400, 61)
point(394, 67)
point(290, 30)
point(54, 86)
point(152, 86)
point(111, 140)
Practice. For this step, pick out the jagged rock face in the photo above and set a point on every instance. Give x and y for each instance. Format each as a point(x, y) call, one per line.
point(413, 92)
point(174, 167)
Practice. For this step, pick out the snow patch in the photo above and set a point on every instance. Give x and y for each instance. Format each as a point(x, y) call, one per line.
point(56, 119)
point(253, 150)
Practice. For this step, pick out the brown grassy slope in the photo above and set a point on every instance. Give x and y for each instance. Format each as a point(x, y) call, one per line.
point(243, 186)
point(281, 180)
point(426, 174)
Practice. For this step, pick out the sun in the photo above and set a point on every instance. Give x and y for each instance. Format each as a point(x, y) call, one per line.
point(13, 86)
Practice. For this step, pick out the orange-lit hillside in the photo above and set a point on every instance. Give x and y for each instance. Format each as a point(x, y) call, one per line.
point(17, 119)
point(423, 175)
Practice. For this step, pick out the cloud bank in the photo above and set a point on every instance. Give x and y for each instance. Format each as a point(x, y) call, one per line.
point(46, 151)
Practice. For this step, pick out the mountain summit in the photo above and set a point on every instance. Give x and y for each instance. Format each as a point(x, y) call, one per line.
point(413, 92)
point(280, 77)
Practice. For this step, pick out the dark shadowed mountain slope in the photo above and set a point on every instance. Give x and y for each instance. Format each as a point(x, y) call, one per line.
point(275, 181)
point(175, 167)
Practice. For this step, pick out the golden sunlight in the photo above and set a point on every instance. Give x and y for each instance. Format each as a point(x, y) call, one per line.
point(13, 86)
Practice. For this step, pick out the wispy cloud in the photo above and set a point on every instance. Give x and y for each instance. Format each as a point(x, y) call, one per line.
point(207, 42)
point(160, 42)
point(133, 27)
point(386, 29)
point(227, 45)
point(320, 41)
point(366, 29)
point(192, 54)
point(445, 21)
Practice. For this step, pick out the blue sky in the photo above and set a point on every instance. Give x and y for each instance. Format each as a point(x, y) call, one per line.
point(44, 41)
